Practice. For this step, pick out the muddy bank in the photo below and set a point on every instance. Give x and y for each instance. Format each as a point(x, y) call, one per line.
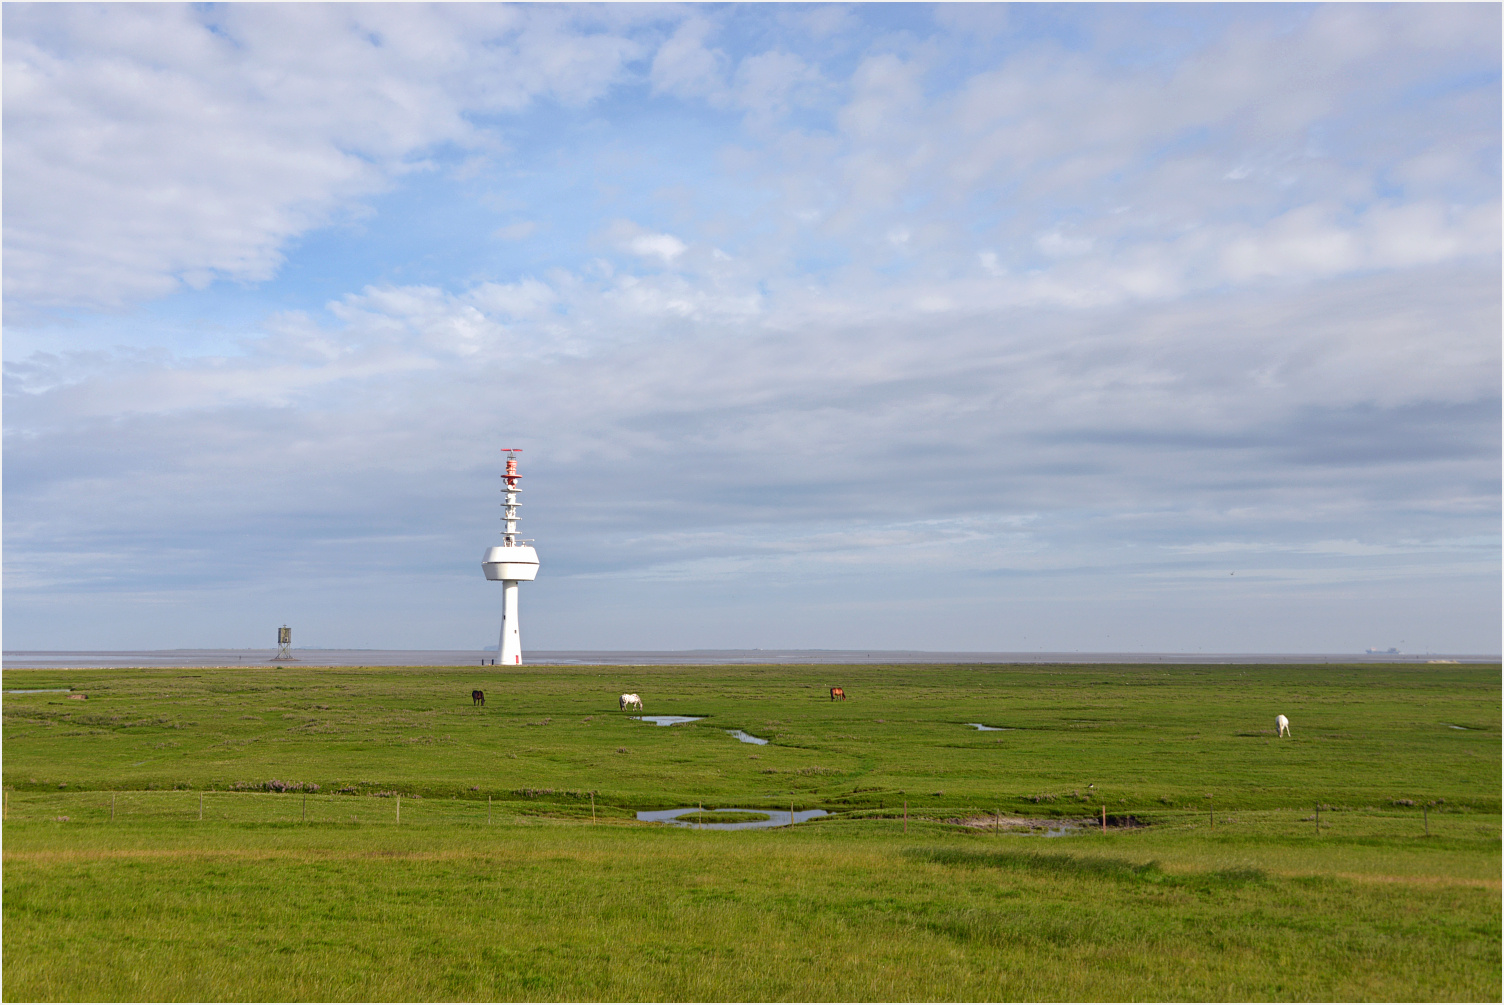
point(1047, 825)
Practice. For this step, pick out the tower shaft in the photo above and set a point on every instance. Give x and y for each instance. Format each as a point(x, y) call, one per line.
point(509, 650)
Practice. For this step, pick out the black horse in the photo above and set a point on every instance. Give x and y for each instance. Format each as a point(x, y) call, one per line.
point(478, 698)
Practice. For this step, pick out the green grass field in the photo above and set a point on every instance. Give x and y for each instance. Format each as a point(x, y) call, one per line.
point(501, 880)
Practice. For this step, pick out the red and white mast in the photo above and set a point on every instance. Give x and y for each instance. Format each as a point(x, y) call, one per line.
point(511, 563)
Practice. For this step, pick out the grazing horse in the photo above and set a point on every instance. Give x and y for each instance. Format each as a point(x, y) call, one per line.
point(1281, 726)
point(631, 699)
point(478, 698)
point(836, 692)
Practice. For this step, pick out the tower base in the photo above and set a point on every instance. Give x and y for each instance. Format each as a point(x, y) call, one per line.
point(509, 649)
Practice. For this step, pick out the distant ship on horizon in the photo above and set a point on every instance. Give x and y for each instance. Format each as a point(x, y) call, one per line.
point(1391, 651)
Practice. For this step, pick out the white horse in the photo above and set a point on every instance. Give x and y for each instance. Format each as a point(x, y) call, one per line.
point(1281, 726)
point(631, 699)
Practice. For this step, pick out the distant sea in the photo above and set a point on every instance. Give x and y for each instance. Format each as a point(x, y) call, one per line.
point(624, 657)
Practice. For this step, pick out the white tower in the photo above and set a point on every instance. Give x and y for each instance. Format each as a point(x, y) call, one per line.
point(511, 563)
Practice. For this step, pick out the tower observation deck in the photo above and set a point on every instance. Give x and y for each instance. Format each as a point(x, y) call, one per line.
point(513, 561)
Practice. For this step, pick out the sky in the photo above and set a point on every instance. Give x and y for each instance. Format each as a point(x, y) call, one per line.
point(980, 327)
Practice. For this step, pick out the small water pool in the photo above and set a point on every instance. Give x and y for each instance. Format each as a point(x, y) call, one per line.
point(41, 690)
point(991, 729)
point(747, 737)
point(666, 720)
point(776, 818)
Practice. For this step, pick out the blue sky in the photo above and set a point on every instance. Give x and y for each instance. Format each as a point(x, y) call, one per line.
point(956, 327)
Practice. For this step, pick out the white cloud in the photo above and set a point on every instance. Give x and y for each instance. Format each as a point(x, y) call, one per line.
point(1026, 441)
point(771, 84)
point(686, 67)
point(665, 247)
point(1313, 241)
point(1058, 245)
point(528, 299)
point(158, 145)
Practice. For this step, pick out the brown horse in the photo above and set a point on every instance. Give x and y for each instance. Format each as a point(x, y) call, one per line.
point(836, 692)
point(478, 698)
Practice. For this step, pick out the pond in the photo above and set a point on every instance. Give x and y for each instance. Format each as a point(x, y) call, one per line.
point(41, 690)
point(990, 729)
point(666, 720)
point(776, 818)
point(747, 737)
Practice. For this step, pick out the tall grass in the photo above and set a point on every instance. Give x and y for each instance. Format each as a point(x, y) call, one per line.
point(272, 912)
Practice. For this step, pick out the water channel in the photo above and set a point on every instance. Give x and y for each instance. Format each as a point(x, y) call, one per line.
point(776, 818)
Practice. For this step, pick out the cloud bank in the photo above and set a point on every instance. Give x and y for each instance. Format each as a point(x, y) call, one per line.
point(859, 327)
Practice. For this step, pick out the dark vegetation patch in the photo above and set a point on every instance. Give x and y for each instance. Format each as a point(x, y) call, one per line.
point(1011, 822)
point(1114, 869)
point(48, 716)
point(275, 785)
point(555, 794)
point(1125, 820)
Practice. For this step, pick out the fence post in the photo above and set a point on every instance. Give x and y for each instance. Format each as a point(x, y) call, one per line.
point(1104, 818)
point(905, 816)
point(201, 806)
point(399, 809)
point(488, 809)
point(1212, 812)
point(1318, 820)
point(592, 806)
